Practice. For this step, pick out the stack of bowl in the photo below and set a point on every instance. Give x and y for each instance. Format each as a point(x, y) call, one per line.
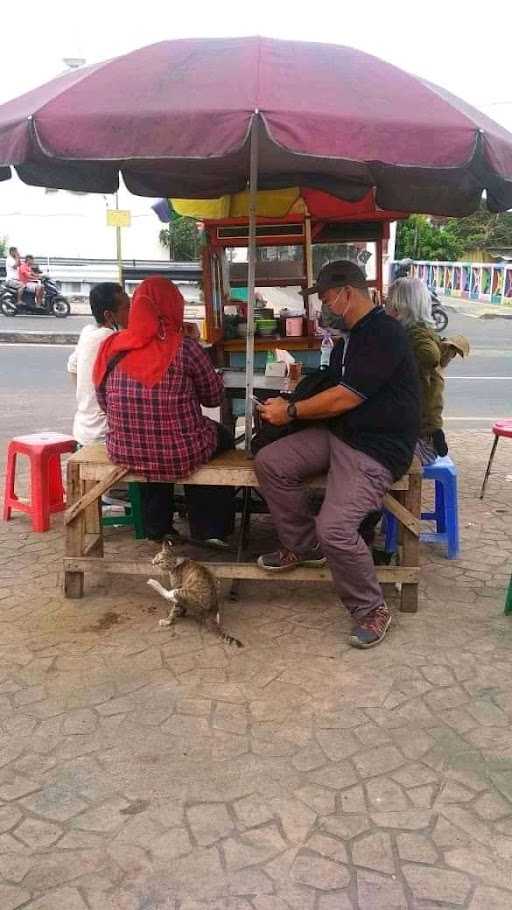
point(266, 327)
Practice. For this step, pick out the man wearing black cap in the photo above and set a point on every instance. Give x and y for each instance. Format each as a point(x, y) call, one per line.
point(363, 433)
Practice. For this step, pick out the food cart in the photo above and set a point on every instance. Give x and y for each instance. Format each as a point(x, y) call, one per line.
point(311, 224)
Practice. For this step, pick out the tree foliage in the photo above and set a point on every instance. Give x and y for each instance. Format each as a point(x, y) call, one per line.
point(483, 230)
point(418, 238)
point(182, 238)
point(3, 246)
point(453, 238)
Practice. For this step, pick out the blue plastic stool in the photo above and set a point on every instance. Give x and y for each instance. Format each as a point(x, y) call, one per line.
point(446, 514)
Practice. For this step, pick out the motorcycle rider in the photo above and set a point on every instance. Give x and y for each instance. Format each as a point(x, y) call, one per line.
point(12, 264)
point(30, 279)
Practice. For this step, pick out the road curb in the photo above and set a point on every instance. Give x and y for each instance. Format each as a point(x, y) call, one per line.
point(38, 337)
point(468, 311)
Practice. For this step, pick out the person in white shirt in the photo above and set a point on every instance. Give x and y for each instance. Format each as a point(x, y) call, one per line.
point(12, 264)
point(110, 306)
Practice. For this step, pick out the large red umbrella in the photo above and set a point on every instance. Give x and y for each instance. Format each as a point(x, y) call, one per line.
point(175, 118)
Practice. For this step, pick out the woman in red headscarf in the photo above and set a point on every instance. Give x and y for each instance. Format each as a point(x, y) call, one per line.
point(151, 381)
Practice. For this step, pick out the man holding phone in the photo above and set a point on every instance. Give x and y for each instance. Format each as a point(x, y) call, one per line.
point(363, 433)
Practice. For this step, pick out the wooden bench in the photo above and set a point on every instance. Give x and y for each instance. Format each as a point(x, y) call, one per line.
point(90, 474)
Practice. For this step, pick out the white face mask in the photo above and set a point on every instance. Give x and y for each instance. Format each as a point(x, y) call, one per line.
point(341, 318)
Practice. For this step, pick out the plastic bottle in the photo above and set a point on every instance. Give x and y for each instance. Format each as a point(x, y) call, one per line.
point(326, 350)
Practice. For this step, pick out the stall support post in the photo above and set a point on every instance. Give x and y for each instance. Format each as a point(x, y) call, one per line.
point(251, 280)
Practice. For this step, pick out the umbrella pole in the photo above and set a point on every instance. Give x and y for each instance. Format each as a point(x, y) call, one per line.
point(309, 269)
point(251, 281)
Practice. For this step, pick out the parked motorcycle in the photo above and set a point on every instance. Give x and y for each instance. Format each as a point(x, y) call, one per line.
point(439, 314)
point(54, 304)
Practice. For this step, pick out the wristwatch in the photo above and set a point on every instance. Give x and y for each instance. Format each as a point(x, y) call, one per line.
point(291, 410)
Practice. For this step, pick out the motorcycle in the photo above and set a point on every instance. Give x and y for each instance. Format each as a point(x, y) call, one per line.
point(54, 304)
point(439, 315)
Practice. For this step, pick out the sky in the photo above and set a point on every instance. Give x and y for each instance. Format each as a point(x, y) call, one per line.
point(466, 52)
point(444, 42)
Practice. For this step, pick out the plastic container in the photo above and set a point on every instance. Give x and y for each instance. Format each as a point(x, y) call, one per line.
point(266, 326)
point(264, 313)
point(326, 350)
point(294, 326)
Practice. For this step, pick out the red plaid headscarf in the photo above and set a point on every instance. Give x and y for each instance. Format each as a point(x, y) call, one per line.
point(153, 337)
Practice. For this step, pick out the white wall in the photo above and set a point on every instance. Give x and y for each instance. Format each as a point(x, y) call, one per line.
point(73, 225)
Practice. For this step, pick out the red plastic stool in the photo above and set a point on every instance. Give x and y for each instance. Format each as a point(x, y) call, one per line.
point(46, 490)
point(500, 428)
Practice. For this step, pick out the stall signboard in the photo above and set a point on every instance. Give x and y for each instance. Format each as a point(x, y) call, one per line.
point(121, 218)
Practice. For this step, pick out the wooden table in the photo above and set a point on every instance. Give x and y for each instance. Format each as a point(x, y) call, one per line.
point(90, 474)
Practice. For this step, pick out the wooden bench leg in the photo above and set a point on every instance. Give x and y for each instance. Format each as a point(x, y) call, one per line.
point(411, 544)
point(93, 525)
point(75, 533)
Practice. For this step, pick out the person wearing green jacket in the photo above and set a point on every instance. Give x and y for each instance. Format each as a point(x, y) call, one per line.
point(409, 301)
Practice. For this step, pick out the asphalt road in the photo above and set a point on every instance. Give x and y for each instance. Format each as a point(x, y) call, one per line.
point(72, 324)
point(35, 392)
point(479, 388)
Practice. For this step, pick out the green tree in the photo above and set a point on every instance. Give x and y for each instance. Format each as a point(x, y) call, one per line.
point(182, 238)
point(418, 238)
point(482, 231)
point(453, 238)
point(3, 246)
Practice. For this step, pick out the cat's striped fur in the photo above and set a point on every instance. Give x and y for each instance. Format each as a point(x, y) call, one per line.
point(193, 590)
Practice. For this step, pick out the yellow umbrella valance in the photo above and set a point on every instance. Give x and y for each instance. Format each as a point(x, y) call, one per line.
point(270, 204)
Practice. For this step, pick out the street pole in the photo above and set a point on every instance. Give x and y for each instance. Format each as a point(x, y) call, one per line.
point(118, 248)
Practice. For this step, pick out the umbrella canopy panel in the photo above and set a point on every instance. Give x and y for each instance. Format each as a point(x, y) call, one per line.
point(175, 119)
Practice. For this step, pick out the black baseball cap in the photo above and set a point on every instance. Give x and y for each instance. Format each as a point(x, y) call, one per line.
point(337, 274)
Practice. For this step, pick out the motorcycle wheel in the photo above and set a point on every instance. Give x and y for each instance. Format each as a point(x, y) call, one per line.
point(60, 307)
point(440, 319)
point(7, 307)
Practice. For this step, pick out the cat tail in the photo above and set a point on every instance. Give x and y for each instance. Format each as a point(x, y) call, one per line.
point(212, 623)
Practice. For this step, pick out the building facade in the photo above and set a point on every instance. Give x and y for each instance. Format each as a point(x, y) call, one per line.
point(50, 223)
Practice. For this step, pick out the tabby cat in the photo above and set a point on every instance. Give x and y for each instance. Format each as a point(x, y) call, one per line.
point(193, 587)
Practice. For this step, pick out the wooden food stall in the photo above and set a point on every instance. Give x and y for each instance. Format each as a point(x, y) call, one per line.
point(316, 228)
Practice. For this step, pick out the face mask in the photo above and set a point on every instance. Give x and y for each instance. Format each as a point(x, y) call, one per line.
point(334, 320)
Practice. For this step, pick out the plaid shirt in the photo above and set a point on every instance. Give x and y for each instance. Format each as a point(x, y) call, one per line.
point(161, 432)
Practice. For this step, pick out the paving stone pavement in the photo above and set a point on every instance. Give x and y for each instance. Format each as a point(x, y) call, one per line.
point(146, 769)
